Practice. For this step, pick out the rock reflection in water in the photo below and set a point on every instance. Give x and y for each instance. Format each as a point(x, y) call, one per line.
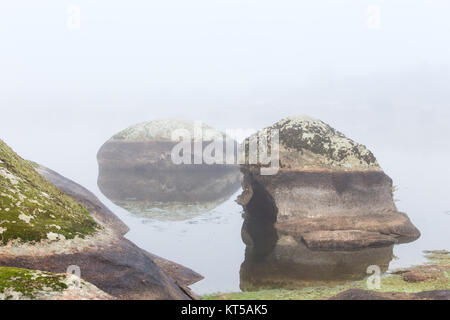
point(292, 265)
point(277, 260)
point(137, 173)
point(175, 194)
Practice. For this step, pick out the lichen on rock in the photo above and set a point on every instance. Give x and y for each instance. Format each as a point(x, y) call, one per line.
point(25, 284)
point(329, 195)
point(309, 143)
point(31, 208)
point(138, 171)
point(163, 129)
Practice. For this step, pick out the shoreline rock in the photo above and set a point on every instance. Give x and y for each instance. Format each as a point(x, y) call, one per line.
point(24, 284)
point(432, 278)
point(136, 170)
point(106, 259)
point(330, 198)
point(359, 294)
point(330, 191)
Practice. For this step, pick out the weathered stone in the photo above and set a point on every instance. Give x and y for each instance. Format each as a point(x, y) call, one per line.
point(32, 209)
point(326, 182)
point(329, 196)
point(346, 239)
point(24, 284)
point(106, 259)
point(359, 294)
point(425, 273)
point(137, 172)
point(100, 212)
point(181, 275)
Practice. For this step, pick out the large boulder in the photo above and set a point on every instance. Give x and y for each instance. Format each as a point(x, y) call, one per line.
point(49, 228)
point(329, 190)
point(137, 172)
point(329, 194)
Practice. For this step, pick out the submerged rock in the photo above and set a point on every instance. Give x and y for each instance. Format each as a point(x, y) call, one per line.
point(24, 284)
point(329, 194)
point(329, 189)
point(137, 172)
point(105, 258)
point(291, 265)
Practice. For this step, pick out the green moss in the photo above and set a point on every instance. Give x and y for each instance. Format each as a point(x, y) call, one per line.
point(439, 257)
point(389, 283)
point(29, 282)
point(32, 209)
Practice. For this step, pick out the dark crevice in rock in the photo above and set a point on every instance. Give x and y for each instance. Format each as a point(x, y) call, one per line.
point(259, 223)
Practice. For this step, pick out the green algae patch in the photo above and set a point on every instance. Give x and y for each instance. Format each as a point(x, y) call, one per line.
point(16, 282)
point(440, 257)
point(394, 282)
point(33, 209)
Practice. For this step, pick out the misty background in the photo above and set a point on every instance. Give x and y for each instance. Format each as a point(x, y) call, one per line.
point(378, 71)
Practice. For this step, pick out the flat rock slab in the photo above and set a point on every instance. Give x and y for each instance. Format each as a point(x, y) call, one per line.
point(394, 224)
point(346, 240)
point(424, 273)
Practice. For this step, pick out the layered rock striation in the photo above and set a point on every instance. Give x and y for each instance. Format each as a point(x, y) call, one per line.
point(329, 194)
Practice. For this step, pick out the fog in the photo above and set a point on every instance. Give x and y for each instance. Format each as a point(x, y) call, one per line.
point(378, 71)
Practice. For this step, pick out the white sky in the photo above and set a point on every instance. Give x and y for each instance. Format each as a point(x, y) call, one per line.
point(235, 64)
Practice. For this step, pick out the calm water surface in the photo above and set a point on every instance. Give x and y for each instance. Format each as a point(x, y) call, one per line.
point(211, 244)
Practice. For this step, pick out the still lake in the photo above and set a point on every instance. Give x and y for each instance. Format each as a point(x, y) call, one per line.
point(210, 242)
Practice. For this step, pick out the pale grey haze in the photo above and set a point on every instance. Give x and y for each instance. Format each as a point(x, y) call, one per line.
point(233, 64)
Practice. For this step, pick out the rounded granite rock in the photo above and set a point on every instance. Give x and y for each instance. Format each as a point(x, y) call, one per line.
point(34, 210)
point(137, 172)
point(49, 223)
point(311, 144)
point(329, 192)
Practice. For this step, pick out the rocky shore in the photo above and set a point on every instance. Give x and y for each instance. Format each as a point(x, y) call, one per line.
point(329, 193)
point(51, 223)
point(428, 281)
point(329, 203)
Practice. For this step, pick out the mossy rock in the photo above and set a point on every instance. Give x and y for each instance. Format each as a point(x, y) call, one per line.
point(32, 209)
point(24, 284)
point(309, 143)
point(163, 130)
point(16, 283)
